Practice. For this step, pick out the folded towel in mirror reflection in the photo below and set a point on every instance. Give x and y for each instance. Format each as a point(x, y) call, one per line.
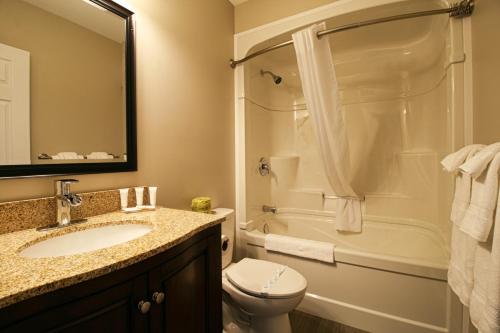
point(99, 155)
point(67, 155)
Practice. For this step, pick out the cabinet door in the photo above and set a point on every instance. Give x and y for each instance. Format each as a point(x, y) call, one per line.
point(111, 310)
point(191, 284)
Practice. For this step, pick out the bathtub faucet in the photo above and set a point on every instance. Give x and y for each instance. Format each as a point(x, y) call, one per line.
point(269, 209)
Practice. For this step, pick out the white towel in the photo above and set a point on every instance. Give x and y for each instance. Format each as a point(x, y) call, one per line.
point(461, 267)
point(485, 299)
point(463, 182)
point(463, 247)
point(479, 216)
point(348, 215)
point(478, 164)
point(454, 160)
point(100, 155)
point(305, 248)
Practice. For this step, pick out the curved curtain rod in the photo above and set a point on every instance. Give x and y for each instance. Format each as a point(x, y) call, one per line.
point(458, 10)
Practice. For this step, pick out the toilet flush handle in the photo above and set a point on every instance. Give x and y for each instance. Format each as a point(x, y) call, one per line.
point(224, 243)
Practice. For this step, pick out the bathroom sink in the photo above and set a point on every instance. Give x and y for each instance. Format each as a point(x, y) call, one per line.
point(86, 240)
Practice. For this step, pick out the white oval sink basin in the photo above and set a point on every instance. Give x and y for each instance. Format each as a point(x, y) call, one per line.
point(86, 240)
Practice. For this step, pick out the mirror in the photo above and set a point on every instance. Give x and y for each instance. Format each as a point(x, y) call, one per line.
point(67, 91)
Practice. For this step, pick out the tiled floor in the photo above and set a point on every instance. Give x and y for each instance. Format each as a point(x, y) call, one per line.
point(305, 323)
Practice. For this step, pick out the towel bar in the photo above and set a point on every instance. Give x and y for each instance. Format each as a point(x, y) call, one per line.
point(44, 156)
point(328, 196)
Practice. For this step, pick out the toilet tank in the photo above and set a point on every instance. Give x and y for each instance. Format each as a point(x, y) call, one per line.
point(227, 234)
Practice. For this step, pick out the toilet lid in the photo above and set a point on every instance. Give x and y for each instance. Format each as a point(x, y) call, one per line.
point(266, 279)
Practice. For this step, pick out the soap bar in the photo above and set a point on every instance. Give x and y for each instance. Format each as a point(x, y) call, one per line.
point(201, 205)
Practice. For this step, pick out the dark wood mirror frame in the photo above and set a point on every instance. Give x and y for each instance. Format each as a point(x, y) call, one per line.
point(18, 171)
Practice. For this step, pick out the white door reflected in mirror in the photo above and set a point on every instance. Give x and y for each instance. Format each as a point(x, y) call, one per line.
point(14, 106)
point(62, 83)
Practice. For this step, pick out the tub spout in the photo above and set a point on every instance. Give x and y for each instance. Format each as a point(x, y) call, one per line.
point(269, 209)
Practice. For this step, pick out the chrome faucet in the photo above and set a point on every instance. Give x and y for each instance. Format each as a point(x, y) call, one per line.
point(65, 199)
point(269, 209)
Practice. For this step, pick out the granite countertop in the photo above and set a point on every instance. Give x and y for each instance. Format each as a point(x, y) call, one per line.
point(22, 278)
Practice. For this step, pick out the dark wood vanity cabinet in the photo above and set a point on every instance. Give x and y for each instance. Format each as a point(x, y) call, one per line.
point(108, 310)
point(175, 291)
point(190, 290)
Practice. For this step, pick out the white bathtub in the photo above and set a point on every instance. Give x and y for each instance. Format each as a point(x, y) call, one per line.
point(391, 278)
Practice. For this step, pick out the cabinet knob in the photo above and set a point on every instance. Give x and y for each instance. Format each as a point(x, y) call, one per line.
point(144, 306)
point(158, 297)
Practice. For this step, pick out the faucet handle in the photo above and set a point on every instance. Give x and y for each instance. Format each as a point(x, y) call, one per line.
point(74, 200)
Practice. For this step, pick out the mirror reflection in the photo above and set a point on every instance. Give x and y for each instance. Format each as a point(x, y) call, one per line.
point(62, 83)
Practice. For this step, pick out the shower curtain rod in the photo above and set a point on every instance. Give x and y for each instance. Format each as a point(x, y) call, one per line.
point(458, 10)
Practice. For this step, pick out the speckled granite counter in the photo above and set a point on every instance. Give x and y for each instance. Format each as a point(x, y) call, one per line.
point(22, 278)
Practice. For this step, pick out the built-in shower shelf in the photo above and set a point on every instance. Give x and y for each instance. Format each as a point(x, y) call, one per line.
point(285, 166)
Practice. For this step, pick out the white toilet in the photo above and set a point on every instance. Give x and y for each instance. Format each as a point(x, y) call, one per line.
point(257, 294)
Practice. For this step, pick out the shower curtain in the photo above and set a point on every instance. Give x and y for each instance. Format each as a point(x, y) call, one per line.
point(320, 88)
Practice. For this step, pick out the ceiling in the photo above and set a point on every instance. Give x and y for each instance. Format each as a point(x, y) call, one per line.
point(87, 15)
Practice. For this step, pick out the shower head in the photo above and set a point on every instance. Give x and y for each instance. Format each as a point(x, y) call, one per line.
point(276, 78)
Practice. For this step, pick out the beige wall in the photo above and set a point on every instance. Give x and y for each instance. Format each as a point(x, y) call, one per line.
point(68, 63)
point(253, 13)
point(184, 107)
point(486, 70)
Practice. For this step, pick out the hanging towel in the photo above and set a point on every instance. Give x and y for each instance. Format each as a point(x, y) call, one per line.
point(319, 84)
point(463, 182)
point(485, 299)
point(348, 215)
point(463, 247)
point(305, 248)
point(478, 164)
point(479, 216)
point(453, 161)
point(461, 266)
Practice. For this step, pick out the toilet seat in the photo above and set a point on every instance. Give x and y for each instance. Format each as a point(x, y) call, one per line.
point(265, 279)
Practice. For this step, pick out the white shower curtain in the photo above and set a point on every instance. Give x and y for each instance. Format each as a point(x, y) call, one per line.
point(319, 84)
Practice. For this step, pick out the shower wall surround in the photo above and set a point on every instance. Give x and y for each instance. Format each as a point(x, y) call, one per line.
point(396, 89)
point(403, 94)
